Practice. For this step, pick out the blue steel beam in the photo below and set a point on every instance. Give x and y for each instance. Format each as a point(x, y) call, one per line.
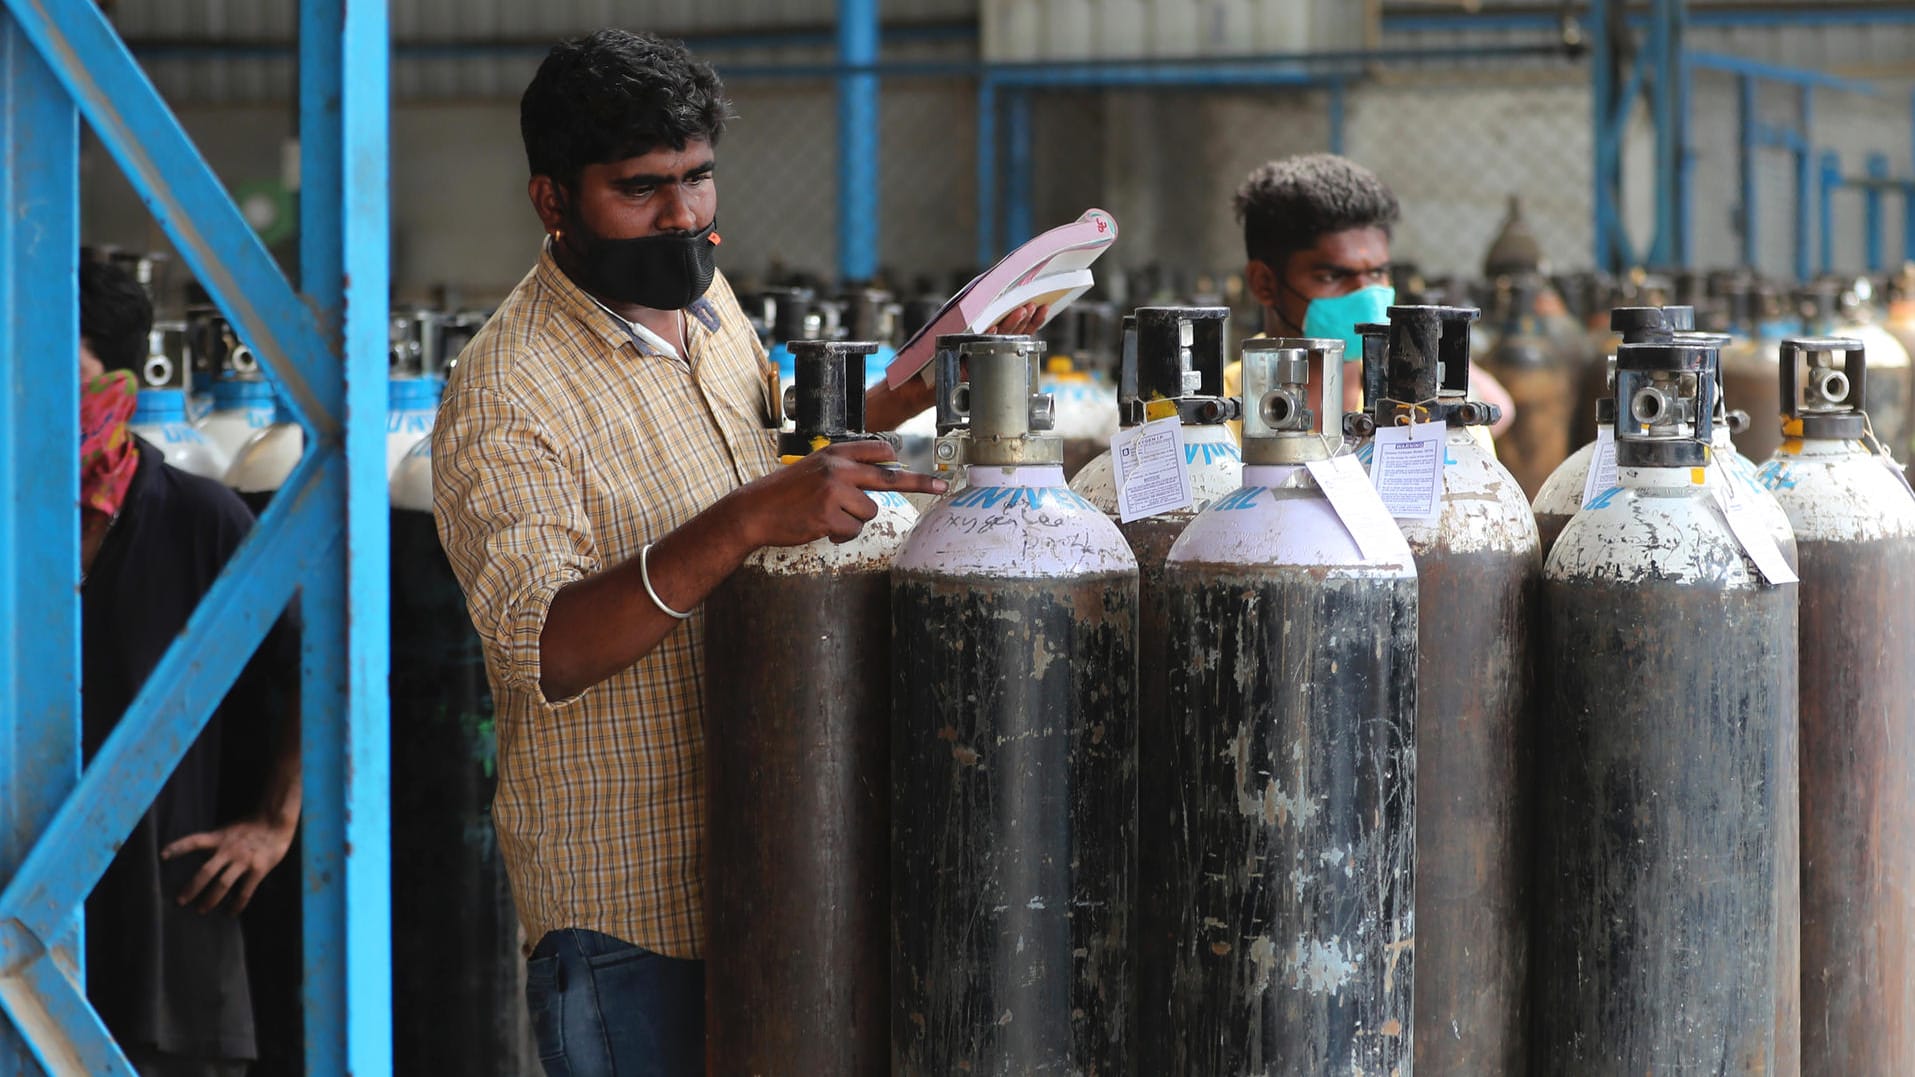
point(167, 714)
point(1608, 148)
point(46, 1000)
point(39, 481)
point(141, 133)
point(1704, 18)
point(346, 598)
point(1794, 76)
point(1020, 175)
point(1804, 184)
point(1872, 213)
point(1830, 182)
point(858, 209)
point(986, 171)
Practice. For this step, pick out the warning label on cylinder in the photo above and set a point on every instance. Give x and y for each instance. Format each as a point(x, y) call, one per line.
point(1152, 477)
point(1407, 469)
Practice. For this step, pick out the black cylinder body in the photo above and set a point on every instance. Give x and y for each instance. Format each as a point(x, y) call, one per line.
point(1013, 824)
point(457, 987)
point(1472, 823)
point(1668, 710)
point(1291, 843)
point(798, 695)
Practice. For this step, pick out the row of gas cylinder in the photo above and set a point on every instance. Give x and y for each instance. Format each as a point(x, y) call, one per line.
point(451, 906)
point(1277, 784)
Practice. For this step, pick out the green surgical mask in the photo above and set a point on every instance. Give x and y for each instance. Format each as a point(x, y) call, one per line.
point(1336, 317)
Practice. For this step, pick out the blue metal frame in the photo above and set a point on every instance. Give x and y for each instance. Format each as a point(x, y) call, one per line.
point(858, 191)
point(325, 532)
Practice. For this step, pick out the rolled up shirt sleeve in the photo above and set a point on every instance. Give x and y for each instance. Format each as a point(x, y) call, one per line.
point(510, 517)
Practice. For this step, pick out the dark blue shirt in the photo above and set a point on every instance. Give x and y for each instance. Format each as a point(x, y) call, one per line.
point(163, 976)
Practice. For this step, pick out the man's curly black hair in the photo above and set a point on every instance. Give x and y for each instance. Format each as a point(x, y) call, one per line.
point(614, 94)
point(1286, 205)
point(115, 315)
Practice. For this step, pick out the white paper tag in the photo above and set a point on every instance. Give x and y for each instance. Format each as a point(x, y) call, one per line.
point(1152, 475)
point(1900, 471)
point(1359, 507)
point(1602, 467)
point(1406, 468)
point(1749, 530)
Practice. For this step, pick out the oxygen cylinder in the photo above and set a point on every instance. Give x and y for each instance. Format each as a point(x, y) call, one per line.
point(1175, 369)
point(1541, 379)
point(1855, 529)
point(1281, 925)
point(159, 416)
point(1562, 495)
point(242, 407)
point(1013, 755)
point(1478, 565)
point(457, 976)
point(798, 693)
point(1665, 773)
point(412, 404)
point(267, 459)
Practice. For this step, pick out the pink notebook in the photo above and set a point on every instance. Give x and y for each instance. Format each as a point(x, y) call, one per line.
point(1052, 269)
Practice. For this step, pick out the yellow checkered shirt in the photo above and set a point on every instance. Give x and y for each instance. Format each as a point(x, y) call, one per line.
point(562, 447)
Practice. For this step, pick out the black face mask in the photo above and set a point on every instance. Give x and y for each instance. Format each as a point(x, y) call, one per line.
point(664, 272)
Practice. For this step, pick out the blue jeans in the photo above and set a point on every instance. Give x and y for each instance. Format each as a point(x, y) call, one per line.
point(605, 1008)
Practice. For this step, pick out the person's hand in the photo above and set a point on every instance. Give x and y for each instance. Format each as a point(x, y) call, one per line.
point(823, 495)
point(242, 854)
point(1023, 321)
point(1485, 387)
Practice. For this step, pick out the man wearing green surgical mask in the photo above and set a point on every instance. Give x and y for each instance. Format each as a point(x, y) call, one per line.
point(1316, 229)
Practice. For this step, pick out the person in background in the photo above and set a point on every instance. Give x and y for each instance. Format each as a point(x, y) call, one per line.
point(1316, 230)
point(603, 459)
point(166, 964)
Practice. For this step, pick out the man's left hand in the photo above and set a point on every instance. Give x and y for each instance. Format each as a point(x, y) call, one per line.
point(241, 855)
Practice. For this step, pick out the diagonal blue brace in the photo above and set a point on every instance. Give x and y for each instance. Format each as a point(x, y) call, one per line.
point(45, 1001)
point(122, 107)
point(169, 712)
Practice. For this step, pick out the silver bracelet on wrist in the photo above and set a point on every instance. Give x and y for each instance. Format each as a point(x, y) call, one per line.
point(645, 573)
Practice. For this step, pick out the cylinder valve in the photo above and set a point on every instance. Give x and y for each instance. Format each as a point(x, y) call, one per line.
point(1665, 403)
point(826, 397)
point(1178, 365)
point(1002, 416)
point(1829, 400)
point(1279, 418)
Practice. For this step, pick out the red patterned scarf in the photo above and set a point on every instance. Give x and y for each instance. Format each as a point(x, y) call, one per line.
point(108, 458)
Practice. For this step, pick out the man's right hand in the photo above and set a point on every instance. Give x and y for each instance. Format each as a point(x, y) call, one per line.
point(823, 495)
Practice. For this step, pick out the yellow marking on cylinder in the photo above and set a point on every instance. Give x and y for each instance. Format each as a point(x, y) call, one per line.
point(1160, 409)
point(1698, 475)
point(1791, 428)
point(819, 441)
point(789, 460)
point(1791, 447)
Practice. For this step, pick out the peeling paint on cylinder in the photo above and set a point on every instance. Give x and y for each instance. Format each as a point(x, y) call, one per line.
point(1014, 771)
point(1478, 569)
point(1278, 935)
point(1855, 526)
point(798, 694)
point(1666, 770)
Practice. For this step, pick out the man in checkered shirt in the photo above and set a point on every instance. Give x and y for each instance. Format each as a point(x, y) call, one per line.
point(603, 459)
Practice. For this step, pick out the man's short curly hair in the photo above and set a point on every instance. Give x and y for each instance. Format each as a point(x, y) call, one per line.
point(115, 315)
point(1286, 205)
point(614, 94)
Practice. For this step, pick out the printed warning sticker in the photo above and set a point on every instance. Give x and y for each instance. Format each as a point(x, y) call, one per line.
point(1602, 468)
point(1152, 477)
point(1407, 469)
point(1748, 528)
